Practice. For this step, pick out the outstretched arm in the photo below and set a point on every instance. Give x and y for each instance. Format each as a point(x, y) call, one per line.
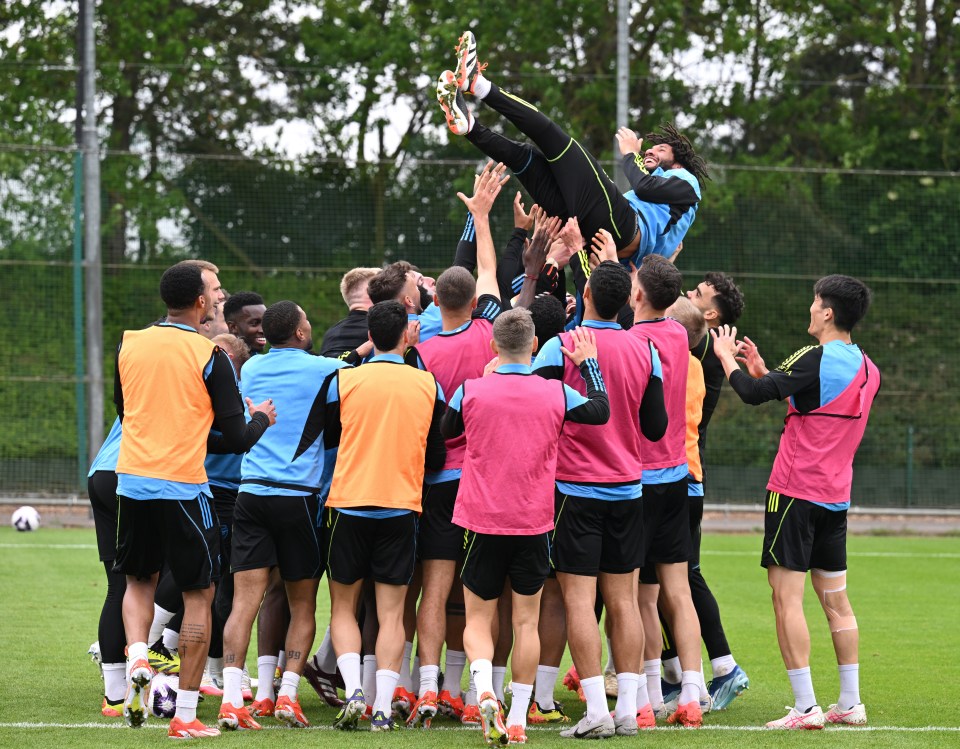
point(534, 257)
point(649, 187)
point(487, 188)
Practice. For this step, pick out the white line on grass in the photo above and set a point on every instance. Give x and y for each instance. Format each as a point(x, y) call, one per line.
point(48, 546)
point(873, 554)
point(851, 729)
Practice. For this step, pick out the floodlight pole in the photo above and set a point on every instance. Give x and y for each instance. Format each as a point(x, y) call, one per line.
point(79, 348)
point(91, 231)
point(623, 83)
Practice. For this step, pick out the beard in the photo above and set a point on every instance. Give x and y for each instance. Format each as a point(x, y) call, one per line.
point(425, 299)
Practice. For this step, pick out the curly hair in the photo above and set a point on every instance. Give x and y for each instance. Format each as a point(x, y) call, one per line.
point(683, 151)
point(728, 299)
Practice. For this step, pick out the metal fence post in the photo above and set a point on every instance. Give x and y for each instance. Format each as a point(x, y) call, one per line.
point(910, 465)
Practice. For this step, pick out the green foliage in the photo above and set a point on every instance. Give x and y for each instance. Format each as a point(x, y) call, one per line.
point(194, 98)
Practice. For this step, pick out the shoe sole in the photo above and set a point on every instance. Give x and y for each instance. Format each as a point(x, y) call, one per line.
point(463, 54)
point(290, 718)
point(597, 733)
point(447, 91)
point(422, 718)
point(795, 728)
point(186, 735)
point(489, 715)
point(326, 690)
point(726, 695)
point(134, 712)
point(351, 716)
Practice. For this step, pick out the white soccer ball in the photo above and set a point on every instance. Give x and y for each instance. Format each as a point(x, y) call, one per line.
point(162, 699)
point(25, 518)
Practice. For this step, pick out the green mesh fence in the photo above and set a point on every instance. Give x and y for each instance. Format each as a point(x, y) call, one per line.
point(290, 230)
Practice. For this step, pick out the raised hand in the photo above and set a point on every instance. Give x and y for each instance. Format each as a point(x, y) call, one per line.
point(535, 252)
point(571, 236)
point(603, 248)
point(491, 366)
point(413, 333)
point(749, 355)
point(584, 346)
point(521, 219)
point(628, 141)
point(486, 188)
point(725, 341)
point(673, 257)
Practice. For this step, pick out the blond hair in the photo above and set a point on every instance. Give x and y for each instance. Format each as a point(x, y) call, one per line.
point(238, 351)
point(353, 281)
point(202, 265)
point(690, 317)
point(513, 332)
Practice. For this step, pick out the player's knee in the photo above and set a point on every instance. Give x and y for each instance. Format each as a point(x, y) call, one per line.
point(832, 591)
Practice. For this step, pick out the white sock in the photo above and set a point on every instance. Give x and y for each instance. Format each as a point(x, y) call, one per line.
point(519, 703)
point(406, 680)
point(415, 675)
point(651, 669)
point(136, 651)
point(703, 685)
point(454, 663)
point(470, 696)
point(610, 668)
point(722, 666)
point(596, 698)
point(114, 681)
point(481, 674)
point(370, 679)
point(232, 692)
point(215, 667)
point(266, 668)
point(643, 696)
point(689, 687)
point(161, 617)
point(627, 684)
point(481, 87)
point(349, 665)
point(429, 678)
point(385, 683)
point(849, 686)
point(282, 661)
point(326, 658)
point(802, 684)
point(187, 705)
point(546, 684)
point(499, 676)
point(289, 685)
point(671, 670)
point(171, 640)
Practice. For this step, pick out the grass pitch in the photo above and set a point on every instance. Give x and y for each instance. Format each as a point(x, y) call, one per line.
point(904, 592)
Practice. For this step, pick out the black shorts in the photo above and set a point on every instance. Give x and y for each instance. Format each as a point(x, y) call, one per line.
point(278, 531)
point(490, 560)
point(225, 501)
point(666, 523)
point(358, 547)
point(800, 535)
point(102, 490)
point(597, 535)
point(439, 538)
point(183, 533)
